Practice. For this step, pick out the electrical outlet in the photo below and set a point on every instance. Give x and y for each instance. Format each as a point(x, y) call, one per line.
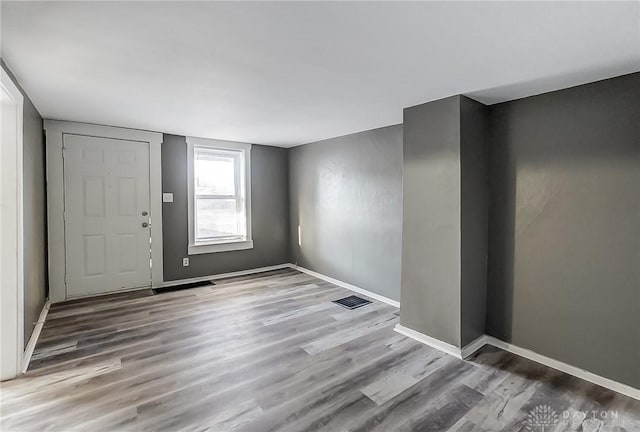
point(185, 262)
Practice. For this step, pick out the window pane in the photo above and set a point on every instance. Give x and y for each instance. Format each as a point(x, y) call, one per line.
point(217, 218)
point(214, 173)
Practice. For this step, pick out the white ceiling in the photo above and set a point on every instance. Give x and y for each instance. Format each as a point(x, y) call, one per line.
point(297, 72)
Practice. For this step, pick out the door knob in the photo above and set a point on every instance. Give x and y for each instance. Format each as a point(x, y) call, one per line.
point(145, 224)
point(144, 213)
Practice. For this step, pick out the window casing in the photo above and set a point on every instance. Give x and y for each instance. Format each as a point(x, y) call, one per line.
point(219, 192)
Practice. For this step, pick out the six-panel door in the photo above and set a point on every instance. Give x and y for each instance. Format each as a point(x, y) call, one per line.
point(106, 215)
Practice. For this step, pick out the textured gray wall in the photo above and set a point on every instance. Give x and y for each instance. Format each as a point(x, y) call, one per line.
point(474, 215)
point(431, 220)
point(34, 213)
point(564, 255)
point(269, 214)
point(346, 195)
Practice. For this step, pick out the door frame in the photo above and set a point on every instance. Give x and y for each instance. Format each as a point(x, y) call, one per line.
point(55, 131)
point(12, 281)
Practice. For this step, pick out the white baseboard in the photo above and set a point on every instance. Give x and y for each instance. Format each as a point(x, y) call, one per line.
point(474, 346)
point(461, 353)
point(222, 275)
point(348, 286)
point(35, 334)
point(428, 340)
point(564, 367)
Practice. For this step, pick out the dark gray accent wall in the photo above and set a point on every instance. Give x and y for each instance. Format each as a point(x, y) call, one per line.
point(34, 213)
point(346, 196)
point(430, 301)
point(269, 214)
point(444, 245)
point(564, 252)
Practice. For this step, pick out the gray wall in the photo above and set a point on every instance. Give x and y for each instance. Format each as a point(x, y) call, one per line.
point(269, 214)
point(35, 213)
point(346, 195)
point(564, 254)
point(431, 220)
point(474, 215)
point(445, 217)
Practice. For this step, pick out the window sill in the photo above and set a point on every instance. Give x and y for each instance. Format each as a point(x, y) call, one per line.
point(220, 247)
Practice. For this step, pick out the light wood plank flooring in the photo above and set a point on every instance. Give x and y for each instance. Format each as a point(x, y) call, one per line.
point(270, 352)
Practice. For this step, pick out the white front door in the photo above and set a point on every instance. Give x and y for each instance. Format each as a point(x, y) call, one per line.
point(106, 199)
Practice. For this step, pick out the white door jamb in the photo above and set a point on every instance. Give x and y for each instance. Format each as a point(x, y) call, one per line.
point(11, 247)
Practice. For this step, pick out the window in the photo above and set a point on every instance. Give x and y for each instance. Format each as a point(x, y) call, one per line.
point(219, 196)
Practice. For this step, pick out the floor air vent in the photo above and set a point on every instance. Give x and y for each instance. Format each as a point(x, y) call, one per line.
point(352, 302)
point(182, 287)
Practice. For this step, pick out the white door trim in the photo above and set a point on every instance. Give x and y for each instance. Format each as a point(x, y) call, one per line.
point(12, 278)
point(55, 195)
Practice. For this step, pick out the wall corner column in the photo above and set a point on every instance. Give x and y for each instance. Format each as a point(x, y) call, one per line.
point(445, 208)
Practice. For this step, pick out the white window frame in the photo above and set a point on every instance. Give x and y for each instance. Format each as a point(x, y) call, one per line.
point(226, 245)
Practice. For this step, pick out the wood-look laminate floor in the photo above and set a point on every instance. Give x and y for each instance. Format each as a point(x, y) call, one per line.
point(270, 352)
